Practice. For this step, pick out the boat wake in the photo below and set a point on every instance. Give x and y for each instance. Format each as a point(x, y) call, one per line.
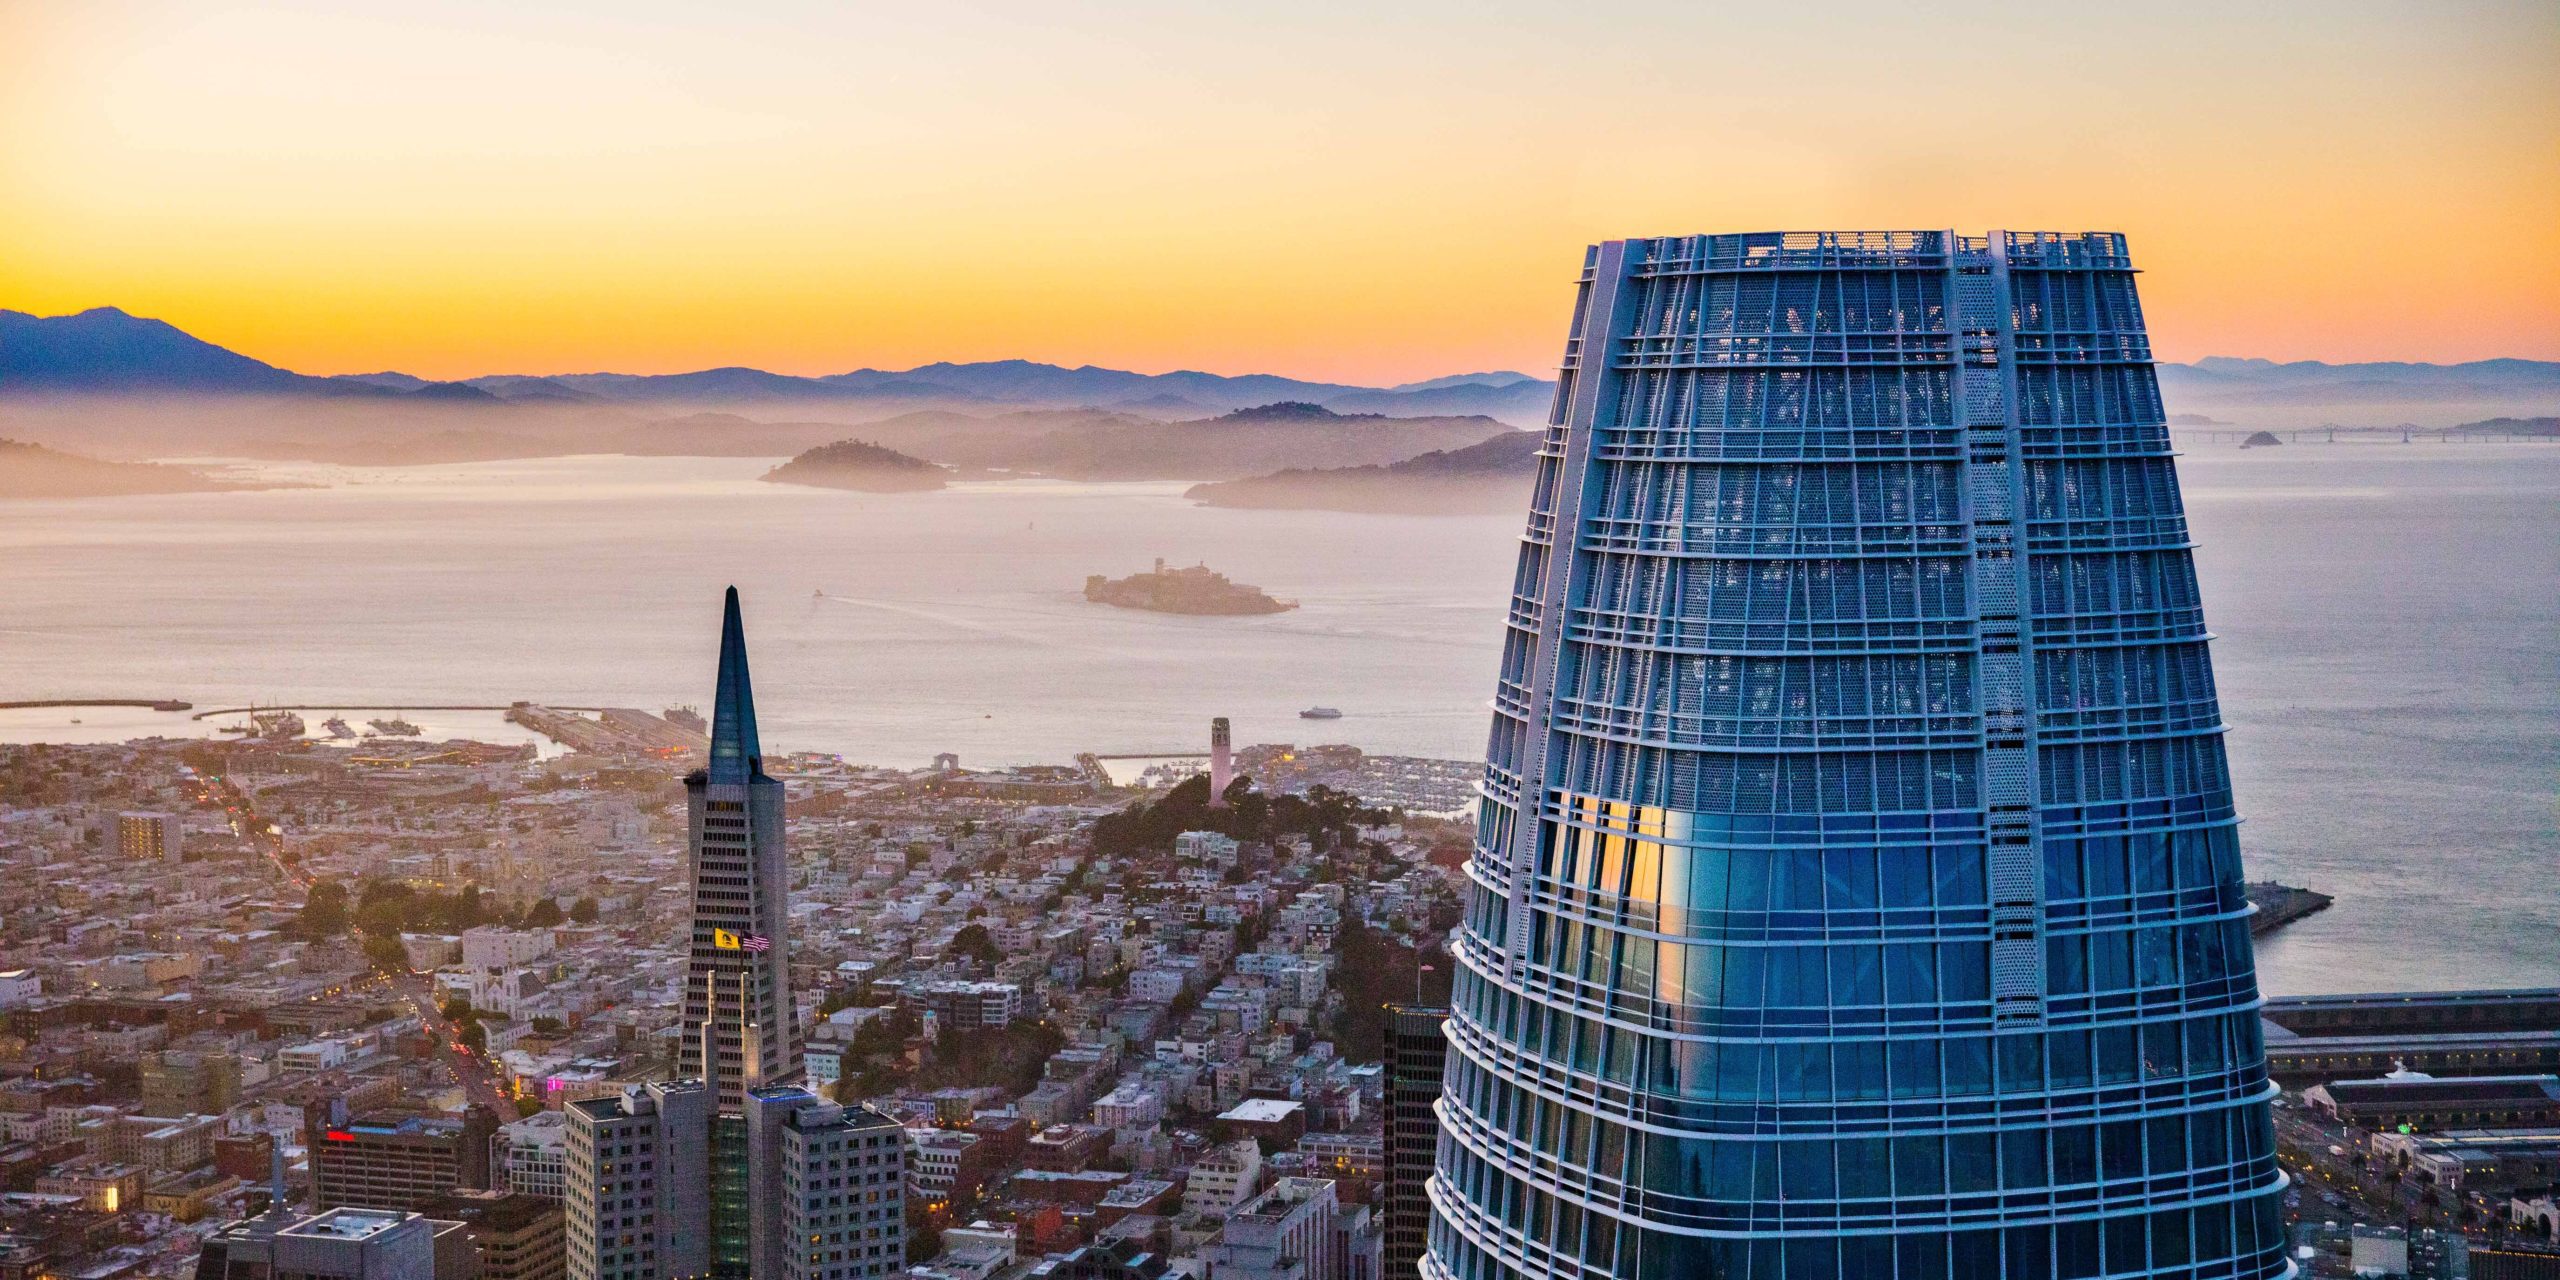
point(1035, 639)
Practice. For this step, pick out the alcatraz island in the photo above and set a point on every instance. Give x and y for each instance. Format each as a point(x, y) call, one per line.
point(1195, 589)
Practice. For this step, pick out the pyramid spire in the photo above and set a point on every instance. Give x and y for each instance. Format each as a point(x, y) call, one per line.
point(736, 756)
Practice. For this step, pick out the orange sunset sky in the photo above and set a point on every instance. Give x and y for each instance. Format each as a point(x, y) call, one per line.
point(1354, 191)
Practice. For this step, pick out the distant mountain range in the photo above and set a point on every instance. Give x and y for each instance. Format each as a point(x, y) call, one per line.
point(108, 352)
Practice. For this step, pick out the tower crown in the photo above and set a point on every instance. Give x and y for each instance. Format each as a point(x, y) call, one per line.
point(736, 755)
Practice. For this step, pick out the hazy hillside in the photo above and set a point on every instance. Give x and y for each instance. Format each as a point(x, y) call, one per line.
point(1492, 477)
point(1093, 444)
point(1244, 443)
point(2511, 427)
point(722, 435)
point(2310, 393)
point(33, 471)
point(858, 465)
point(989, 440)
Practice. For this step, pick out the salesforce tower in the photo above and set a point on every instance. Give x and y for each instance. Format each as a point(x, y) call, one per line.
point(1856, 891)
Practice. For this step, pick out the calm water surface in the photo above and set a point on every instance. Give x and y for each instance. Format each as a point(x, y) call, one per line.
point(2388, 652)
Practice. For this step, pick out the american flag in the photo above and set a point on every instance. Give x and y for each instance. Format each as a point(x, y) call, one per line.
point(756, 942)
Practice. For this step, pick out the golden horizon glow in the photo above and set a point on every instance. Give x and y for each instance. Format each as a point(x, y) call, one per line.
point(1310, 189)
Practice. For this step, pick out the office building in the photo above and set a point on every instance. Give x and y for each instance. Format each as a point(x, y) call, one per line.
point(947, 1164)
point(1416, 1048)
point(638, 1206)
point(738, 987)
point(2467, 1161)
point(514, 1236)
point(151, 837)
point(826, 1190)
point(1225, 1176)
point(2423, 1102)
point(533, 1155)
point(1857, 887)
point(957, 1005)
point(2513, 1264)
point(179, 1082)
point(397, 1160)
point(338, 1244)
point(739, 1172)
point(1297, 1229)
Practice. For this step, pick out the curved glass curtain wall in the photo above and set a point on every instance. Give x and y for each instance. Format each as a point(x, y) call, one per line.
point(1856, 891)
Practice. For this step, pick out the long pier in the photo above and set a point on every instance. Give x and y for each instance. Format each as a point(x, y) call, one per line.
point(360, 706)
point(2282, 904)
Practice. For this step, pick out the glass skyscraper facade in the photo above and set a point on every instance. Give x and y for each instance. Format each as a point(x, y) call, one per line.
point(1856, 892)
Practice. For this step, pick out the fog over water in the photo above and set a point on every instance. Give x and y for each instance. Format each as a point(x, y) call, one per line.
point(2388, 654)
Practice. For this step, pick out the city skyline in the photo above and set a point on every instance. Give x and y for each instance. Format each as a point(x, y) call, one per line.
point(485, 190)
point(2020, 621)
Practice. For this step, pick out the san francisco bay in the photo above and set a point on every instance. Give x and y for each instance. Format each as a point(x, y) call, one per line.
point(2387, 657)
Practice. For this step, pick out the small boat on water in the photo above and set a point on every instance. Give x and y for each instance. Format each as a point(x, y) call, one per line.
point(397, 727)
point(1320, 713)
point(338, 727)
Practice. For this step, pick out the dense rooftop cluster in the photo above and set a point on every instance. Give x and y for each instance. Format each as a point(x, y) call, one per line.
point(1108, 1018)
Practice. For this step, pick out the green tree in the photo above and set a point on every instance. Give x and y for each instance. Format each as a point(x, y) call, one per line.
point(1371, 970)
point(887, 1033)
point(324, 911)
point(583, 911)
point(1011, 1056)
point(543, 914)
point(974, 942)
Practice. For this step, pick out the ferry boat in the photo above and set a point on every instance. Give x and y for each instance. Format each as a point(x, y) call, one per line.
point(1320, 713)
point(277, 724)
